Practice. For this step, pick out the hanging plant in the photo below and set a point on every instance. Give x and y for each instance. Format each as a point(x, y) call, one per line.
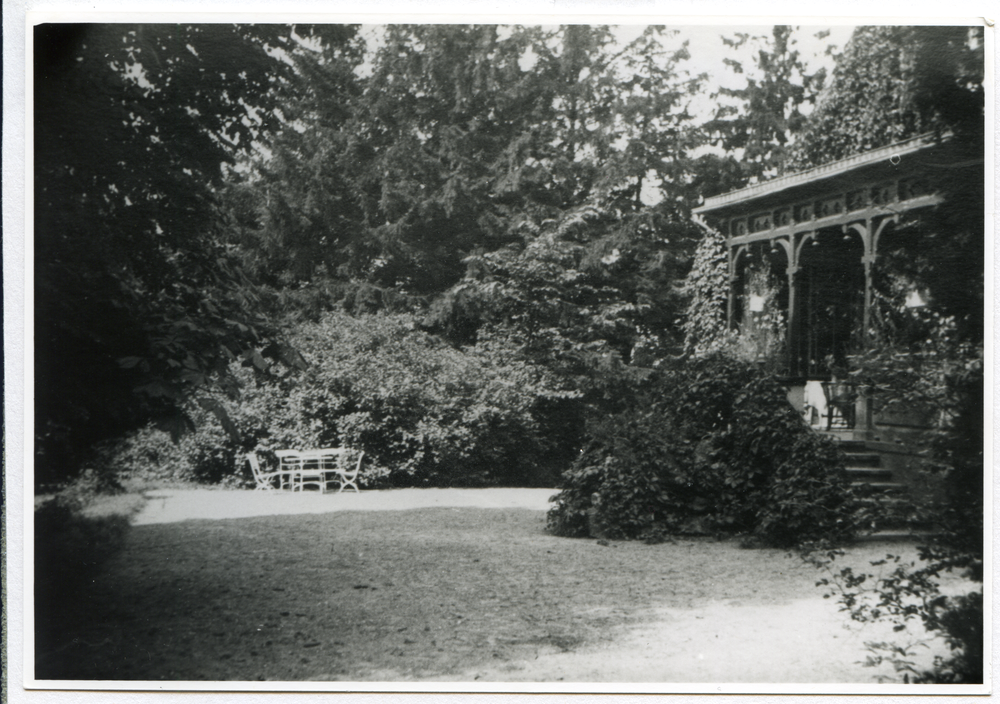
point(762, 333)
point(761, 336)
point(759, 290)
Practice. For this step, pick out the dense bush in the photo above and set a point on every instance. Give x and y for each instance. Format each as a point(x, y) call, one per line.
point(152, 455)
point(424, 412)
point(633, 479)
point(715, 448)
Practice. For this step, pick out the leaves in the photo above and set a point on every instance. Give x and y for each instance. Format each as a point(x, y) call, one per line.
point(135, 287)
point(711, 448)
point(426, 414)
point(767, 120)
point(910, 592)
point(891, 83)
point(707, 287)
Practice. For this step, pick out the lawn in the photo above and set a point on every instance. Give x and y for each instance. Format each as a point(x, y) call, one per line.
point(441, 593)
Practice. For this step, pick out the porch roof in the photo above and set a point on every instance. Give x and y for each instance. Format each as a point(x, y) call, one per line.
point(820, 179)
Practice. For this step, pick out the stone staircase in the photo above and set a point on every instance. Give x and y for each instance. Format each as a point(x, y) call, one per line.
point(865, 468)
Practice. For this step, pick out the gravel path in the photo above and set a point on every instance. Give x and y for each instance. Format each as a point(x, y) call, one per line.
point(169, 506)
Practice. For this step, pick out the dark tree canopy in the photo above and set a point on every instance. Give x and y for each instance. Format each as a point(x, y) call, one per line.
point(199, 189)
point(466, 144)
point(137, 298)
point(763, 126)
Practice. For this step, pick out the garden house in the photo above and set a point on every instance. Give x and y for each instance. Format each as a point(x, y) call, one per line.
point(809, 253)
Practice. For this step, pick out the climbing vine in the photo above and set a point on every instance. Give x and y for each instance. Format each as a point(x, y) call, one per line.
point(707, 286)
point(761, 334)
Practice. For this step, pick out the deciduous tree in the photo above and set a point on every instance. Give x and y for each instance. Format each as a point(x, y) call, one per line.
point(893, 82)
point(137, 297)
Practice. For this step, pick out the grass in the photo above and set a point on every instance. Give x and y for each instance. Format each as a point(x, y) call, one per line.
point(419, 594)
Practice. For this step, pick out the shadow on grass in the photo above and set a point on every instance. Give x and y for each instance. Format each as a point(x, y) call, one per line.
point(71, 548)
point(429, 593)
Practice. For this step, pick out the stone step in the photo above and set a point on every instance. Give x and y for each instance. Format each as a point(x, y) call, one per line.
point(864, 469)
point(863, 459)
point(884, 488)
point(852, 446)
point(869, 473)
point(902, 535)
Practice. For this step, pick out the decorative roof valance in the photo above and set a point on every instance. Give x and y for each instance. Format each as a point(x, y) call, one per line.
point(885, 181)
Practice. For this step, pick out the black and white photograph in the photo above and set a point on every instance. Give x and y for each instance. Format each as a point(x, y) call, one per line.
point(473, 356)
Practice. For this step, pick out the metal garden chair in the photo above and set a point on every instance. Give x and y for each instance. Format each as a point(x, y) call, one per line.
point(265, 480)
point(347, 472)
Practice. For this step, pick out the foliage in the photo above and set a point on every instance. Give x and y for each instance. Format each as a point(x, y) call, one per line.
point(150, 455)
point(470, 142)
point(425, 413)
point(927, 367)
point(292, 210)
point(891, 83)
point(909, 593)
point(579, 286)
point(138, 300)
point(713, 447)
point(761, 336)
point(707, 286)
point(628, 480)
point(944, 376)
point(923, 362)
point(286, 171)
point(762, 127)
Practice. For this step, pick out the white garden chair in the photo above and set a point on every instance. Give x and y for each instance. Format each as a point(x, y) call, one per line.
point(329, 460)
point(347, 475)
point(264, 480)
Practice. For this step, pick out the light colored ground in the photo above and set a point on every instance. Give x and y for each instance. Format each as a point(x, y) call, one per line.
point(802, 641)
point(171, 505)
point(455, 585)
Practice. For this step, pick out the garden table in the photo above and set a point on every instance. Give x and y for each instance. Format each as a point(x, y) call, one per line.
point(288, 465)
point(310, 466)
